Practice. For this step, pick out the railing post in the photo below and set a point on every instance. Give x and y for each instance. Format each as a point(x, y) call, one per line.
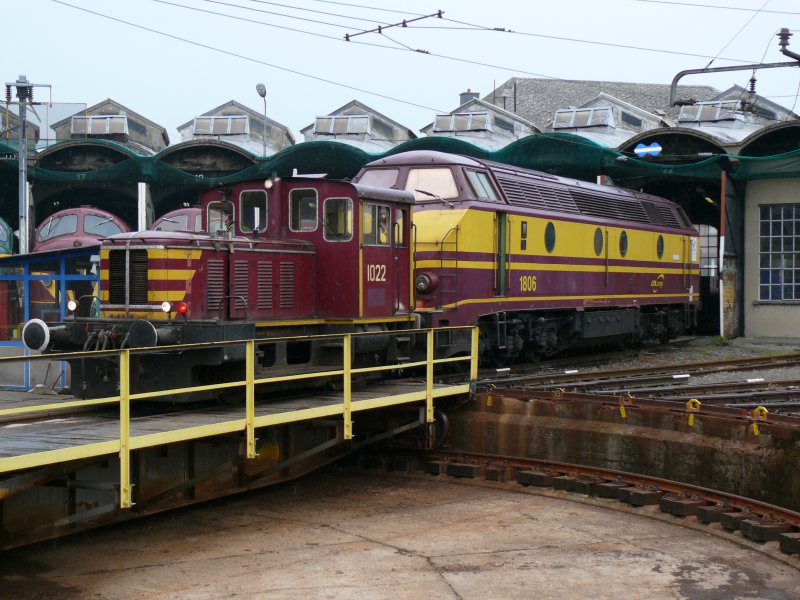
point(250, 397)
point(429, 379)
point(125, 500)
point(473, 363)
point(347, 360)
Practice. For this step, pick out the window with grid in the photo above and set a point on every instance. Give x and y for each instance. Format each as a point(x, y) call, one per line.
point(779, 253)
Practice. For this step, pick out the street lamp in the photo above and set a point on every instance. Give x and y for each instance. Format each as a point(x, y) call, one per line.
point(262, 91)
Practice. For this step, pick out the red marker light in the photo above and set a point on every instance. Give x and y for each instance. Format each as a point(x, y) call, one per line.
point(182, 308)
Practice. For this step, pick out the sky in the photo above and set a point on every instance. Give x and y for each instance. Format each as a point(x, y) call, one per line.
point(173, 60)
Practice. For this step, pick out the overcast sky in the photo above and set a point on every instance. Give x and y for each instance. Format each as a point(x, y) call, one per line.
point(297, 49)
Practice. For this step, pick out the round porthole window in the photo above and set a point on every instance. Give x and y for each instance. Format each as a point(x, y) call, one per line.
point(598, 241)
point(550, 237)
point(660, 247)
point(623, 243)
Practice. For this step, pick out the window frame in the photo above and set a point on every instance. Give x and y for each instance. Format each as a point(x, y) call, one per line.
point(300, 228)
point(348, 225)
point(243, 210)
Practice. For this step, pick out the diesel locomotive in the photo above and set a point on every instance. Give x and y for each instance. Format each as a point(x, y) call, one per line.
point(419, 239)
point(541, 263)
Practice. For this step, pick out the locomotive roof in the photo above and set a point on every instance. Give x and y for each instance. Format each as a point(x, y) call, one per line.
point(531, 189)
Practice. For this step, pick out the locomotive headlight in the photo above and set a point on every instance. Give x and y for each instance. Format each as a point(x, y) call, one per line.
point(166, 307)
point(424, 283)
point(72, 306)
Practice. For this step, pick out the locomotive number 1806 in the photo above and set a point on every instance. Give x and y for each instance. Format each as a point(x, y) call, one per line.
point(527, 283)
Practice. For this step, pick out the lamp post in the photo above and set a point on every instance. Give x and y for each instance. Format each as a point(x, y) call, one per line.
point(262, 91)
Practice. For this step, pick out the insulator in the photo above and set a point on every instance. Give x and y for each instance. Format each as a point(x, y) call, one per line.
point(8, 94)
point(30, 93)
point(752, 85)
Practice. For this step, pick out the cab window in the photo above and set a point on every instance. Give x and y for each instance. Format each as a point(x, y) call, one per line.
point(399, 227)
point(56, 226)
point(431, 184)
point(100, 225)
point(303, 210)
point(382, 178)
point(220, 217)
point(376, 225)
point(482, 186)
point(253, 210)
point(338, 219)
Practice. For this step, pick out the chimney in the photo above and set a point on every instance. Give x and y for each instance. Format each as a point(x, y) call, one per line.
point(465, 97)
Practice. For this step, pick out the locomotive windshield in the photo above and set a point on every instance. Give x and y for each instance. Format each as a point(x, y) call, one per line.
point(253, 210)
point(56, 226)
point(428, 184)
point(220, 216)
point(102, 226)
point(382, 178)
point(303, 210)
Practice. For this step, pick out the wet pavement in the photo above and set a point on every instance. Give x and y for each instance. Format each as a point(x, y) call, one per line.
point(339, 534)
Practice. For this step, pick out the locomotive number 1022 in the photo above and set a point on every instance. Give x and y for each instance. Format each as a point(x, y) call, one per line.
point(376, 272)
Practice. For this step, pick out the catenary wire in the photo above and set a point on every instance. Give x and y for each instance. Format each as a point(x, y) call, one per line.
point(247, 58)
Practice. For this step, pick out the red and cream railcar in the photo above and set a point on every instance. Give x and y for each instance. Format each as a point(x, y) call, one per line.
point(284, 257)
point(542, 262)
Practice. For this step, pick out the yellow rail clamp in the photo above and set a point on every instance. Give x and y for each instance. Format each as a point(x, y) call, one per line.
point(692, 406)
point(489, 397)
point(559, 392)
point(624, 400)
point(759, 414)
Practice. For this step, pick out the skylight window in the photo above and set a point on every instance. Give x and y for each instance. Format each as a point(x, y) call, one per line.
point(709, 112)
point(472, 121)
point(222, 125)
point(99, 124)
point(342, 125)
point(573, 118)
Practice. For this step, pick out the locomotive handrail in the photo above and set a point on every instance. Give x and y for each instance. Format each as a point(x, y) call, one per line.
point(128, 442)
point(234, 297)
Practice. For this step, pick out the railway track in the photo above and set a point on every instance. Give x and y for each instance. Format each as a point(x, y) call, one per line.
point(749, 383)
point(735, 516)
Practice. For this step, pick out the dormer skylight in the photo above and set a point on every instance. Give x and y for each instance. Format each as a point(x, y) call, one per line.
point(469, 121)
point(222, 125)
point(574, 118)
point(99, 124)
point(709, 112)
point(342, 124)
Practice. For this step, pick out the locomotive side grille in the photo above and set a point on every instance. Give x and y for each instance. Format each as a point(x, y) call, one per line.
point(287, 285)
point(610, 208)
point(127, 270)
point(116, 276)
point(215, 284)
point(668, 216)
point(137, 265)
point(241, 285)
point(535, 194)
point(265, 286)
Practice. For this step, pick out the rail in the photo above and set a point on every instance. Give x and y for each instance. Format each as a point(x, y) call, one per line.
point(246, 422)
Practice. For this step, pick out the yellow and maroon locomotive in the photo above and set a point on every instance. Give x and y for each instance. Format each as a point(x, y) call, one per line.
point(540, 262)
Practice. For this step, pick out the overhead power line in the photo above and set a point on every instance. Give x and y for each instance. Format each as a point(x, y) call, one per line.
point(696, 5)
point(243, 57)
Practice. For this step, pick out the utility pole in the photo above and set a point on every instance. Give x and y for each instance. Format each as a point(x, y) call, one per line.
point(24, 97)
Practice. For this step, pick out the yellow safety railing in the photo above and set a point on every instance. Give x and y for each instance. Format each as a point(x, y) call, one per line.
point(126, 443)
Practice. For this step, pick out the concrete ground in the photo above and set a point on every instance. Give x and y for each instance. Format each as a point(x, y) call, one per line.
point(370, 535)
